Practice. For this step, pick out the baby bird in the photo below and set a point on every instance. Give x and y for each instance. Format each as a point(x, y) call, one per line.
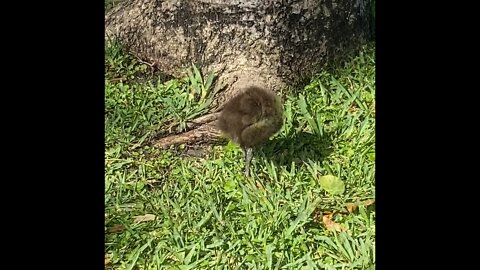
point(251, 118)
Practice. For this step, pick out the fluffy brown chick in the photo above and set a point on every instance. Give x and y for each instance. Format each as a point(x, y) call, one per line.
point(251, 118)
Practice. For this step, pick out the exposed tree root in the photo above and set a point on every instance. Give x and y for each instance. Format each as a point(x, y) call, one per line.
point(202, 120)
point(204, 133)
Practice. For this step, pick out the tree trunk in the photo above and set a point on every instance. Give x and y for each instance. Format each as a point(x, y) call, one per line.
point(269, 43)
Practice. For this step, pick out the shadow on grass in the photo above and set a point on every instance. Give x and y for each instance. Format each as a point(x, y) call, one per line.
point(298, 148)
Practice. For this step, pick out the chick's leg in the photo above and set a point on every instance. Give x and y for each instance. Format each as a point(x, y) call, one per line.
point(248, 159)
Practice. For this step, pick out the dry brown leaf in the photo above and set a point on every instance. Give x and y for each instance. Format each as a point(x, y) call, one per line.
point(368, 202)
point(117, 228)
point(108, 258)
point(331, 225)
point(259, 185)
point(351, 207)
point(146, 217)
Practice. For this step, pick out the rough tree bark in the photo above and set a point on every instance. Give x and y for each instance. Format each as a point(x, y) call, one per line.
point(269, 43)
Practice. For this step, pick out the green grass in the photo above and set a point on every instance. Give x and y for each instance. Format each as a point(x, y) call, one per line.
point(109, 4)
point(207, 214)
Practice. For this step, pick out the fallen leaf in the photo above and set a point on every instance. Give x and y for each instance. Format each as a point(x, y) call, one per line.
point(108, 258)
point(117, 228)
point(351, 207)
point(259, 185)
point(368, 202)
point(332, 184)
point(331, 225)
point(146, 217)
